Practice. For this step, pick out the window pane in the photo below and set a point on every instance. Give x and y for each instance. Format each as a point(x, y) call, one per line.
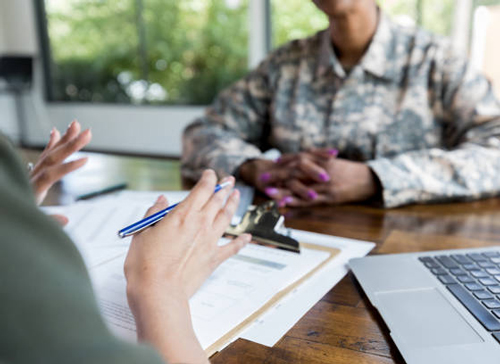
point(92, 42)
point(434, 16)
point(294, 19)
point(146, 51)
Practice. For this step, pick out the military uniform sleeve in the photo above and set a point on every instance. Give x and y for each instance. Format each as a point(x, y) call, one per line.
point(49, 313)
point(468, 164)
point(232, 129)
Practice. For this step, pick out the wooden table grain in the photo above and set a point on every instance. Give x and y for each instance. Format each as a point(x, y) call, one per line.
point(342, 327)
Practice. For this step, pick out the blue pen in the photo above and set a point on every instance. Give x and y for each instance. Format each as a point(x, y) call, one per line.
point(153, 219)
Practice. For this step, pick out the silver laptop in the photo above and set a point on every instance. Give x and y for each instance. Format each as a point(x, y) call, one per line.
point(441, 307)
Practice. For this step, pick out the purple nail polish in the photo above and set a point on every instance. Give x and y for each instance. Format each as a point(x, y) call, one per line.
point(333, 152)
point(264, 177)
point(288, 199)
point(277, 160)
point(282, 203)
point(312, 195)
point(324, 177)
point(271, 191)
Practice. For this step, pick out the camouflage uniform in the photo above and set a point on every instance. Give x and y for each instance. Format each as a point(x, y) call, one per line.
point(412, 109)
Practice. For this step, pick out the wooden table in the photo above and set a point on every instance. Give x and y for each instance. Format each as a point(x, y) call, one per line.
point(343, 327)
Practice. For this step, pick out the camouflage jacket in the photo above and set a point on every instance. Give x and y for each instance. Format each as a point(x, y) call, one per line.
point(415, 111)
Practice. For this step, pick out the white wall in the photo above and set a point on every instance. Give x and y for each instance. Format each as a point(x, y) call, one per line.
point(17, 37)
point(2, 36)
point(8, 118)
point(18, 26)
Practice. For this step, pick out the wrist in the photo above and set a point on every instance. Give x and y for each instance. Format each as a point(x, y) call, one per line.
point(246, 170)
point(142, 295)
point(164, 321)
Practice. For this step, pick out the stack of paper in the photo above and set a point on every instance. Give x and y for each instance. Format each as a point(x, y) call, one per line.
point(258, 294)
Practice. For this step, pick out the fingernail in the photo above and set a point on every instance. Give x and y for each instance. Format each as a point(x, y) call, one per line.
point(312, 194)
point(284, 201)
point(324, 177)
point(333, 152)
point(160, 198)
point(271, 191)
point(264, 177)
point(71, 124)
point(52, 131)
point(277, 160)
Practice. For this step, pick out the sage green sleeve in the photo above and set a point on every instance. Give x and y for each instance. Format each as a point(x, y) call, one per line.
point(48, 310)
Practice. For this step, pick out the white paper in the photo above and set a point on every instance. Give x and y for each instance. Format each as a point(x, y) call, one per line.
point(269, 328)
point(239, 287)
point(142, 197)
point(93, 226)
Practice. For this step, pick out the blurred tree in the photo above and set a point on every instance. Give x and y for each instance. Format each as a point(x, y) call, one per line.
point(181, 52)
point(98, 50)
point(293, 19)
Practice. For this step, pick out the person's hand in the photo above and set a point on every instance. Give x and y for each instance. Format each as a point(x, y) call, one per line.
point(169, 261)
point(262, 173)
point(271, 177)
point(348, 182)
point(50, 167)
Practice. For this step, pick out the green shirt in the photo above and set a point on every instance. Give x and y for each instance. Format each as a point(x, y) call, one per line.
point(48, 309)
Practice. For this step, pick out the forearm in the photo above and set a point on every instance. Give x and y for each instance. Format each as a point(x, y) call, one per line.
point(163, 320)
point(436, 175)
point(209, 146)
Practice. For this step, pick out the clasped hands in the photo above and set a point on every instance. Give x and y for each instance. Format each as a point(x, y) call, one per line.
point(312, 177)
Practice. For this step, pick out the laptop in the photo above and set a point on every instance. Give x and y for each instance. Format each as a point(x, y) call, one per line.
point(441, 307)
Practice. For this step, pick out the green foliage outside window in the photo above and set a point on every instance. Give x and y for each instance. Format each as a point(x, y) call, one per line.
point(146, 51)
point(293, 19)
point(182, 52)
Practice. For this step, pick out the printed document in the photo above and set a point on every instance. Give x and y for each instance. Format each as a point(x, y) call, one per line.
point(238, 288)
point(93, 225)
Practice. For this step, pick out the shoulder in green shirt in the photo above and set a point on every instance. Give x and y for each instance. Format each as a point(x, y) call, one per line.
point(48, 310)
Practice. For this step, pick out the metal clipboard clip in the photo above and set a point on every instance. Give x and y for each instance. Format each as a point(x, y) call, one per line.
point(264, 222)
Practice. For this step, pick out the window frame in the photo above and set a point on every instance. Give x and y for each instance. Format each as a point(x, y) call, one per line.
point(124, 128)
point(259, 45)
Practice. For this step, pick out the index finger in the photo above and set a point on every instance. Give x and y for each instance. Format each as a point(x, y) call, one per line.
point(201, 192)
point(55, 136)
point(312, 170)
point(324, 153)
point(277, 175)
point(71, 133)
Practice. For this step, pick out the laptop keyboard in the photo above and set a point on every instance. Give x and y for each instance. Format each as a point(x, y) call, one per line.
point(474, 279)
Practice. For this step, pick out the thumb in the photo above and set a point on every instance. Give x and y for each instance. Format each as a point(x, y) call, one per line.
point(232, 248)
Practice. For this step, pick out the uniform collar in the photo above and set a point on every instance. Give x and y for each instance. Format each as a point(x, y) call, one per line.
point(379, 59)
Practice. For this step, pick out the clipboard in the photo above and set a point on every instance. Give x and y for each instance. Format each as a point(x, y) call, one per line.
point(264, 223)
point(237, 330)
